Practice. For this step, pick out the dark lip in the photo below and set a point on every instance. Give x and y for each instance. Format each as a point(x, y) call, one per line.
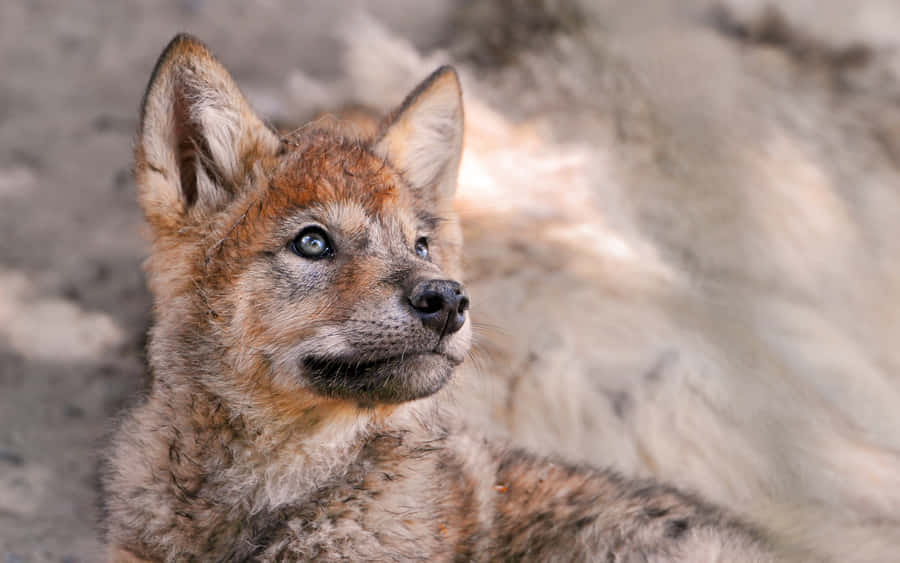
point(391, 379)
point(352, 367)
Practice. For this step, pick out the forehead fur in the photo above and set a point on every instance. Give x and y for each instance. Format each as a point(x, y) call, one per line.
point(319, 167)
point(318, 171)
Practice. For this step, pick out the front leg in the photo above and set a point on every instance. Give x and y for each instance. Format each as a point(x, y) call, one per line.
point(550, 511)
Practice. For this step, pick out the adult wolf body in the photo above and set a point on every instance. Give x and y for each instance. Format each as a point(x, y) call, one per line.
point(308, 314)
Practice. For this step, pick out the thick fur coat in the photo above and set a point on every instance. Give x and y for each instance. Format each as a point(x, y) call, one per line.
point(309, 316)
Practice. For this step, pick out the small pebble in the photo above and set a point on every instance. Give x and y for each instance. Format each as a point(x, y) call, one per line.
point(73, 411)
point(11, 457)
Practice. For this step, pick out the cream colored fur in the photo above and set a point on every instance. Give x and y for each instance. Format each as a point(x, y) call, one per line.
point(426, 140)
point(218, 109)
point(688, 270)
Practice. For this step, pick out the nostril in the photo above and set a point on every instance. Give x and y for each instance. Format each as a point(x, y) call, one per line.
point(428, 302)
point(432, 304)
point(463, 304)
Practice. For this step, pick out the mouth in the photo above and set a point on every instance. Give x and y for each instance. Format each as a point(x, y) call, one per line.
point(393, 379)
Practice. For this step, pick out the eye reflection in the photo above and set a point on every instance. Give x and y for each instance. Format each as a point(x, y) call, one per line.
point(422, 248)
point(312, 243)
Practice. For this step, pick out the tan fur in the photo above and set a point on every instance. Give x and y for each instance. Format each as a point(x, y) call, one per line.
point(426, 134)
point(691, 227)
point(297, 406)
point(122, 556)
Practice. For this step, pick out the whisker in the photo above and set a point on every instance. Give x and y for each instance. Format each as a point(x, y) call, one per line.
point(488, 328)
point(480, 357)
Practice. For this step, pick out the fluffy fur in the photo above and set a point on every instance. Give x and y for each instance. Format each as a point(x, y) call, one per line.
point(248, 448)
point(692, 222)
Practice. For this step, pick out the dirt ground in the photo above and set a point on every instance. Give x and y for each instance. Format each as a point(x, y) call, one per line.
point(74, 308)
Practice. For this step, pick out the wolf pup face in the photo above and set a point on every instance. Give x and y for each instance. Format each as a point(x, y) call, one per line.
point(313, 264)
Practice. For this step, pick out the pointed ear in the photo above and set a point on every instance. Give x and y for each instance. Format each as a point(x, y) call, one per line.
point(198, 136)
point(423, 137)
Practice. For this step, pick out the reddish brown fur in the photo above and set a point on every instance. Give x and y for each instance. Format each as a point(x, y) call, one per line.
point(239, 452)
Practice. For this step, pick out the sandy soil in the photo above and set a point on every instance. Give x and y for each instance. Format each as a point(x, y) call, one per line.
point(74, 308)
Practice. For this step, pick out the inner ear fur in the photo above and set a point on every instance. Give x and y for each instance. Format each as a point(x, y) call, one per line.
point(197, 138)
point(423, 137)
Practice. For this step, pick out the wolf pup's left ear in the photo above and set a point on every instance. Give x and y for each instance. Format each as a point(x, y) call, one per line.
point(423, 138)
point(198, 137)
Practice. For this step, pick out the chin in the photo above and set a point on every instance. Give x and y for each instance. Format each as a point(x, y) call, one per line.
point(386, 381)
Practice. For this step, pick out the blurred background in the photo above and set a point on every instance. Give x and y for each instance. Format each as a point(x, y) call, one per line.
point(682, 224)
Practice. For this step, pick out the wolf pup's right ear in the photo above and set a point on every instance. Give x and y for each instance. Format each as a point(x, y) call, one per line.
point(198, 137)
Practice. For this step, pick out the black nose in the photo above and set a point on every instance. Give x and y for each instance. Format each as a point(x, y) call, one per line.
point(441, 304)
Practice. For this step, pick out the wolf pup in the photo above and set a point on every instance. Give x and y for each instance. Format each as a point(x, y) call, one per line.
point(308, 309)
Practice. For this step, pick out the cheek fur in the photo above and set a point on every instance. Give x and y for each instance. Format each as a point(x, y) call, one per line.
point(293, 278)
point(283, 301)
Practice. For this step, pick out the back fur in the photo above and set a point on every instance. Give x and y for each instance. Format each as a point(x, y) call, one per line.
point(693, 226)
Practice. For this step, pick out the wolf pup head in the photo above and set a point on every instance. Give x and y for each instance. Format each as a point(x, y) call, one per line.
point(302, 268)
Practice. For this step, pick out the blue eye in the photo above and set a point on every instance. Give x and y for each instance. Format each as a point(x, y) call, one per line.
point(422, 248)
point(312, 243)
